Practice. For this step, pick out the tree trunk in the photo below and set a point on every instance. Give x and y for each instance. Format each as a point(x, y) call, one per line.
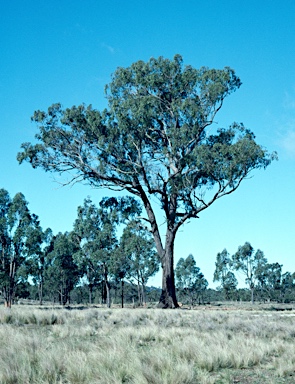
point(122, 293)
point(40, 291)
point(8, 292)
point(90, 293)
point(90, 286)
point(7, 304)
point(107, 285)
point(143, 294)
point(103, 292)
point(7, 297)
point(138, 291)
point(168, 295)
point(252, 296)
point(108, 294)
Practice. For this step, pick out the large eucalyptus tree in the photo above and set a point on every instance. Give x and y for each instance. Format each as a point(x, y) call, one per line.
point(155, 140)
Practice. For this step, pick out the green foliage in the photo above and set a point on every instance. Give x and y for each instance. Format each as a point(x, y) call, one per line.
point(250, 263)
point(96, 233)
point(224, 274)
point(152, 135)
point(287, 287)
point(190, 281)
point(20, 238)
point(270, 280)
point(141, 258)
point(37, 264)
point(95, 230)
point(62, 273)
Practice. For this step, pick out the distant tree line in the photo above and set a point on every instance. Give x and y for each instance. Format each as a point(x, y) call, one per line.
point(91, 257)
point(265, 281)
point(93, 264)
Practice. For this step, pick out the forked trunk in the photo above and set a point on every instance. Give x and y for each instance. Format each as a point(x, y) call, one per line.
point(7, 303)
point(8, 294)
point(107, 285)
point(168, 295)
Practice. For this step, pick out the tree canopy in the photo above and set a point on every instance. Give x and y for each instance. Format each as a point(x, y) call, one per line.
point(138, 248)
point(155, 140)
point(190, 280)
point(224, 274)
point(250, 263)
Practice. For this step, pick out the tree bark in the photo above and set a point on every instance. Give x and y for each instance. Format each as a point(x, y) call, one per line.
point(252, 296)
point(138, 293)
point(108, 294)
point(103, 292)
point(40, 291)
point(90, 293)
point(143, 295)
point(7, 297)
point(168, 295)
point(107, 285)
point(8, 290)
point(122, 293)
point(7, 304)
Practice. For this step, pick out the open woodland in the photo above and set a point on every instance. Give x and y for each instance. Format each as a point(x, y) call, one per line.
point(122, 124)
point(208, 344)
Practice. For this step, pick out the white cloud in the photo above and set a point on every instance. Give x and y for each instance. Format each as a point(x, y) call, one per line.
point(109, 48)
point(287, 142)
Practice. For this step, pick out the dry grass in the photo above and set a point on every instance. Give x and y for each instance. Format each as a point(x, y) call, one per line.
point(145, 346)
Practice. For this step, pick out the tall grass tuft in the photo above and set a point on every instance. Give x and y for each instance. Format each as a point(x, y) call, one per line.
point(144, 346)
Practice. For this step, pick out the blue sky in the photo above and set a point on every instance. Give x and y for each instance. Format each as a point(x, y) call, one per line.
point(66, 51)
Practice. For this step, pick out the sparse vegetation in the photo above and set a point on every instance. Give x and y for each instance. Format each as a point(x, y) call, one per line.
point(110, 346)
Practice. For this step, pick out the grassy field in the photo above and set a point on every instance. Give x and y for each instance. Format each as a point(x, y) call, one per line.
point(110, 346)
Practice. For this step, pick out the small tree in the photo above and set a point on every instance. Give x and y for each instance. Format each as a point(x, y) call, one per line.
point(62, 273)
point(97, 239)
point(38, 262)
point(138, 249)
point(157, 141)
point(95, 230)
point(189, 279)
point(250, 263)
point(288, 287)
point(269, 278)
point(20, 238)
point(224, 274)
